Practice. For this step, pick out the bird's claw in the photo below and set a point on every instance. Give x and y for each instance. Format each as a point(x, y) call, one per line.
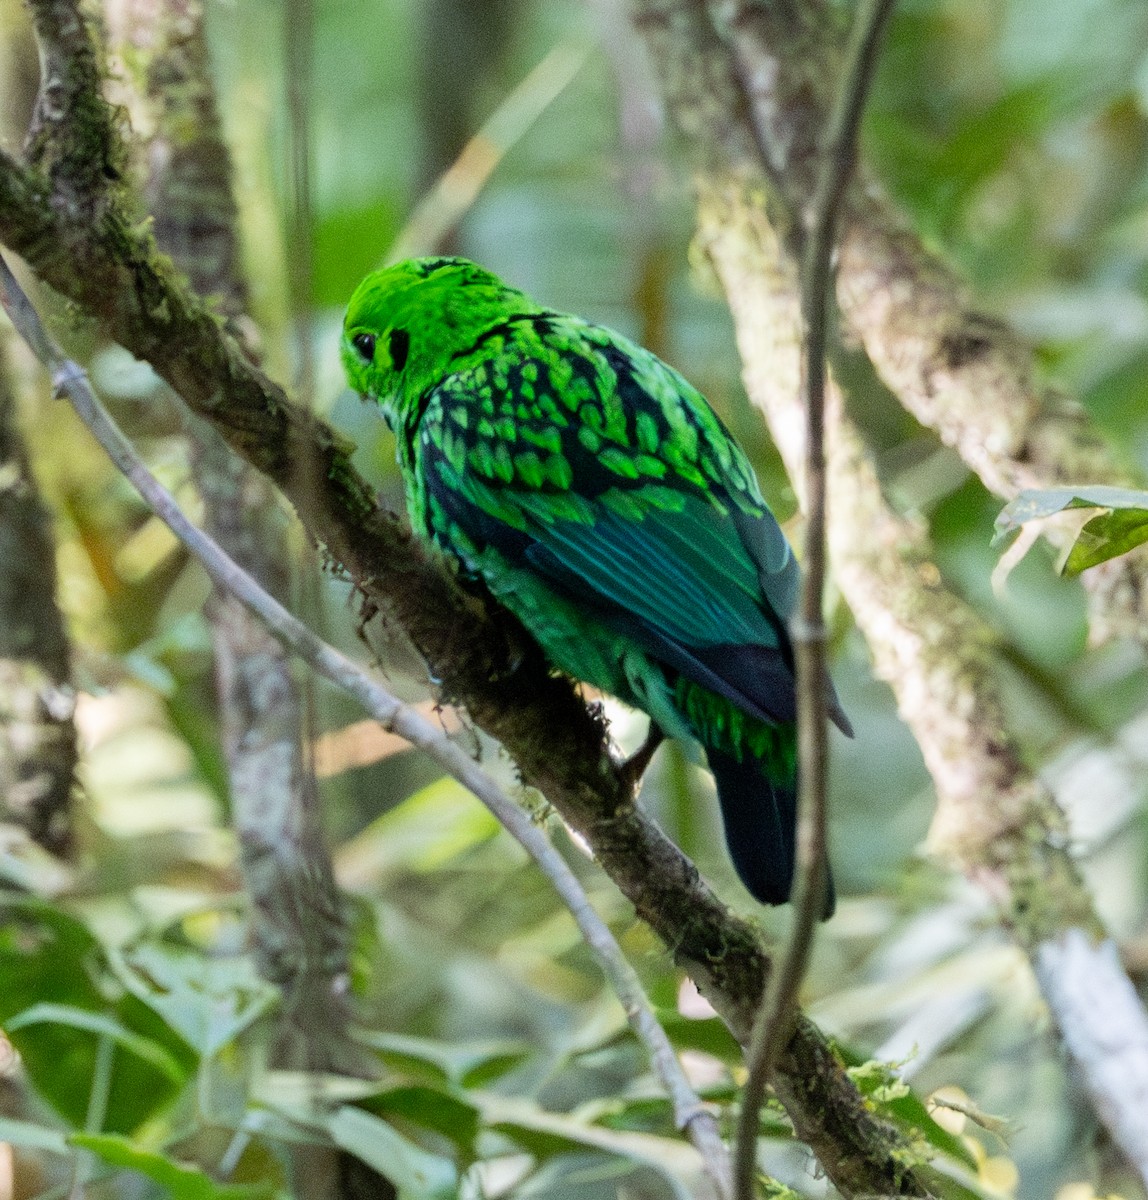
point(633, 768)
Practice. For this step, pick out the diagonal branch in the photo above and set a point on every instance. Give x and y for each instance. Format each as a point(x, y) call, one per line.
point(994, 817)
point(959, 371)
point(972, 380)
point(108, 265)
point(70, 380)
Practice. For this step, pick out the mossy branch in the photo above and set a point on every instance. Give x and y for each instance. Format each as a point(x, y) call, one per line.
point(102, 256)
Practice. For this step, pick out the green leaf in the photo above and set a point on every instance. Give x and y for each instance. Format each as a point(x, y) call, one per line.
point(1122, 526)
point(433, 1109)
point(489, 1065)
point(207, 1002)
point(1107, 536)
point(914, 1117)
point(426, 831)
point(547, 1134)
point(879, 1082)
point(639, 1114)
point(101, 1024)
point(182, 1181)
point(418, 1174)
point(469, 1064)
point(45, 952)
point(708, 1034)
point(293, 1091)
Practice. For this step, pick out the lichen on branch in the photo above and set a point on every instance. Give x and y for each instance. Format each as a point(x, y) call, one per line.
point(106, 262)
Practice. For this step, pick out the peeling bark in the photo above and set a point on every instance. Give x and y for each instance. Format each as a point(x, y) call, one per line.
point(37, 702)
point(297, 928)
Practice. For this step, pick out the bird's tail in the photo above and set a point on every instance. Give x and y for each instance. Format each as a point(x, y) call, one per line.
point(760, 819)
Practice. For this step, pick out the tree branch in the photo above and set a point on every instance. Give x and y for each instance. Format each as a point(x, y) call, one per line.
point(110, 268)
point(961, 373)
point(72, 140)
point(70, 379)
point(994, 818)
point(774, 1025)
point(971, 379)
point(37, 700)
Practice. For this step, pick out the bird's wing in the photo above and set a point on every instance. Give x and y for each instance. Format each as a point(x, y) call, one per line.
point(682, 584)
point(652, 518)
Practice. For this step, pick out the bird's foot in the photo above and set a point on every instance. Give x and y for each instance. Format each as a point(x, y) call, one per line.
point(633, 768)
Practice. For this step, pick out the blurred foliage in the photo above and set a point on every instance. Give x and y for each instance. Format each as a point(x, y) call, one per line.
point(1016, 137)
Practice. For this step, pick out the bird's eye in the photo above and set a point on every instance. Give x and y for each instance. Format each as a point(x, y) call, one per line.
point(365, 344)
point(400, 347)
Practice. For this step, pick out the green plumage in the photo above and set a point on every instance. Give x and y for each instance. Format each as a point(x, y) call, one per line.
point(606, 505)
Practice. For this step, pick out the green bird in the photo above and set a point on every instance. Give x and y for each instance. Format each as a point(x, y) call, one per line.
point(607, 506)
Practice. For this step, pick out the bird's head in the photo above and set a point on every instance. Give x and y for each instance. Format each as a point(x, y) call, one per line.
point(405, 324)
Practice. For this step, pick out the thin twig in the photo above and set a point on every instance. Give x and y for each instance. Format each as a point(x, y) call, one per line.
point(110, 270)
point(298, 52)
point(69, 379)
point(774, 1025)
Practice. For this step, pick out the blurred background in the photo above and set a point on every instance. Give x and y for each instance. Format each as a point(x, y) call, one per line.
point(1015, 136)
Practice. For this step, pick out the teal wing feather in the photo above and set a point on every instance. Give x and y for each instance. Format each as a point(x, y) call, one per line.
point(674, 571)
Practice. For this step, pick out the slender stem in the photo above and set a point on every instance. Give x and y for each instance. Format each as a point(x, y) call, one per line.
point(69, 379)
point(299, 38)
point(101, 1085)
point(444, 205)
point(774, 1025)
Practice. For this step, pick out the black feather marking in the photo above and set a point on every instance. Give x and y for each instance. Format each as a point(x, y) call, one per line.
point(758, 679)
point(755, 679)
point(410, 429)
point(480, 527)
point(400, 346)
point(424, 268)
point(780, 582)
point(504, 328)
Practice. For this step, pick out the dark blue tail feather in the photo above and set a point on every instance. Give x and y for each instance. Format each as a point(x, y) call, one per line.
point(760, 820)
